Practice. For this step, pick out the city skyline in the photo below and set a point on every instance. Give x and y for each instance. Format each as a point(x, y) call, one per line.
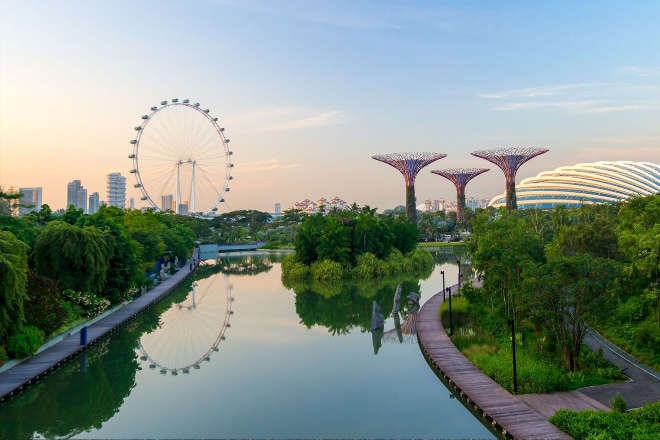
point(309, 91)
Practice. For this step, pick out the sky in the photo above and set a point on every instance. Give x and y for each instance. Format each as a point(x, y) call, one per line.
point(308, 91)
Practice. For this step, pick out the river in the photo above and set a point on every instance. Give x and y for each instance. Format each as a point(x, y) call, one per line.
point(236, 354)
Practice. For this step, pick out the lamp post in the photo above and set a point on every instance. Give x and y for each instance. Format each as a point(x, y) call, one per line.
point(513, 352)
point(443, 285)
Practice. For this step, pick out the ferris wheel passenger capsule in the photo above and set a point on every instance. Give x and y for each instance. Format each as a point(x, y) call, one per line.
point(131, 156)
point(206, 110)
point(221, 199)
point(143, 198)
point(175, 100)
point(137, 185)
point(163, 102)
point(222, 128)
point(138, 128)
point(133, 171)
point(133, 141)
point(154, 108)
point(145, 116)
point(186, 101)
point(227, 189)
point(231, 177)
point(196, 104)
point(215, 119)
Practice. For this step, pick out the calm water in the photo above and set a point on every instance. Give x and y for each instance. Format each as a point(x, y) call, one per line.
point(294, 362)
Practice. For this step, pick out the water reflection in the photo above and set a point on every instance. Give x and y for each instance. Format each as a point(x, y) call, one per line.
point(85, 393)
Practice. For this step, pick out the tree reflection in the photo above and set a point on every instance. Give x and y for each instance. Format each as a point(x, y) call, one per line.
point(342, 306)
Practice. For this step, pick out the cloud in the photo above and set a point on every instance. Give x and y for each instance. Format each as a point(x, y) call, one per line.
point(265, 165)
point(319, 120)
point(542, 91)
point(640, 71)
point(552, 104)
point(284, 118)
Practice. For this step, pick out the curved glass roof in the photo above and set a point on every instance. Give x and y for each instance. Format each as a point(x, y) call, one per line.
point(585, 183)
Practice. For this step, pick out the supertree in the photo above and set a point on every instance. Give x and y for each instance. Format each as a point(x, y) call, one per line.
point(409, 164)
point(509, 159)
point(460, 177)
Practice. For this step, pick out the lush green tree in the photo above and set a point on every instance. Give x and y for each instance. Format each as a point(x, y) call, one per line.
point(334, 242)
point(594, 232)
point(76, 258)
point(146, 230)
point(500, 247)
point(565, 293)
point(9, 201)
point(72, 215)
point(371, 235)
point(309, 238)
point(13, 280)
point(23, 228)
point(43, 308)
point(123, 266)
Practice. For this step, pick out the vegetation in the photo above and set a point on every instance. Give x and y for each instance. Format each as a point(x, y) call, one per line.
point(57, 270)
point(355, 243)
point(639, 424)
point(553, 274)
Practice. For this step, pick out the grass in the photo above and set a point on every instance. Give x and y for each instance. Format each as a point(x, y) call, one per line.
point(639, 424)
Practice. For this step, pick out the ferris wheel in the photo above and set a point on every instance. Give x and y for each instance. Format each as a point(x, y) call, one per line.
point(191, 331)
point(181, 158)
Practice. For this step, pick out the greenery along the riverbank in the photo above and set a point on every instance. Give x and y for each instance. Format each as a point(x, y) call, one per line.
point(355, 243)
point(551, 274)
point(639, 424)
point(59, 269)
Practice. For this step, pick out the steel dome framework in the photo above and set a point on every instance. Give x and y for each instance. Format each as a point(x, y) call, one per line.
point(586, 183)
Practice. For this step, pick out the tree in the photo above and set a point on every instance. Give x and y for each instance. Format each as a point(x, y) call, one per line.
point(334, 242)
point(123, 265)
point(76, 258)
point(500, 247)
point(563, 294)
point(13, 280)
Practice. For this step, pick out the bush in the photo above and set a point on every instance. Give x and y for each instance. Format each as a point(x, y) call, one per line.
point(618, 403)
point(643, 423)
point(26, 342)
point(294, 270)
point(459, 312)
point(91, 304)
point(3, 355)
point(326, 270)
point(368, 266)
point(42, 308)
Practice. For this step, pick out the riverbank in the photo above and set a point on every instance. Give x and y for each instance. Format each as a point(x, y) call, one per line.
point(31, 369)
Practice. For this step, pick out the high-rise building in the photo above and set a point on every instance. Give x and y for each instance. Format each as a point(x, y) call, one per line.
point(427, 205)
point(436, 205)
point(30, 200)
point(166, 202)
point(116, 190)
point(76, 195)
point(278, 208)
point(183, 208)
point(131, 203)
point(94, 203)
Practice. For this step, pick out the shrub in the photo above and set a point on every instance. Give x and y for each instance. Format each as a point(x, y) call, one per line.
point(3, 355)
point(42, 308)
point(326, 270)
point(91, 304)
point(25, 342)
point(459, 312)
point(618, 403)
point(293, 269)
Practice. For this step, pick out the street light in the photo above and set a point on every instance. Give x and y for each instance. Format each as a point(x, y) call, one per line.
point(443, 285)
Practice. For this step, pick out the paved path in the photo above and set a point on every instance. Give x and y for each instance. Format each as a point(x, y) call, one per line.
point(508, 414)
point(643, 386)
point(30, 370)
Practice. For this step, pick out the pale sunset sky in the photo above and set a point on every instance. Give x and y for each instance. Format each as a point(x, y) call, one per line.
point(309, 90)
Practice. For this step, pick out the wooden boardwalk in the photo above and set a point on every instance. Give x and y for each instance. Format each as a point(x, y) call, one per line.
point(507, 414)
point(30, 370)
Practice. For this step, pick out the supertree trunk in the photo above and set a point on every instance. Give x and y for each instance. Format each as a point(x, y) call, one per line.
point(511, 203)
point(460, 178)
point(411, 204)
point(460, 203)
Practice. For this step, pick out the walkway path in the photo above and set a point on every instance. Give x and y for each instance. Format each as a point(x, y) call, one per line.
point(30, 370)
point(507, 413)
